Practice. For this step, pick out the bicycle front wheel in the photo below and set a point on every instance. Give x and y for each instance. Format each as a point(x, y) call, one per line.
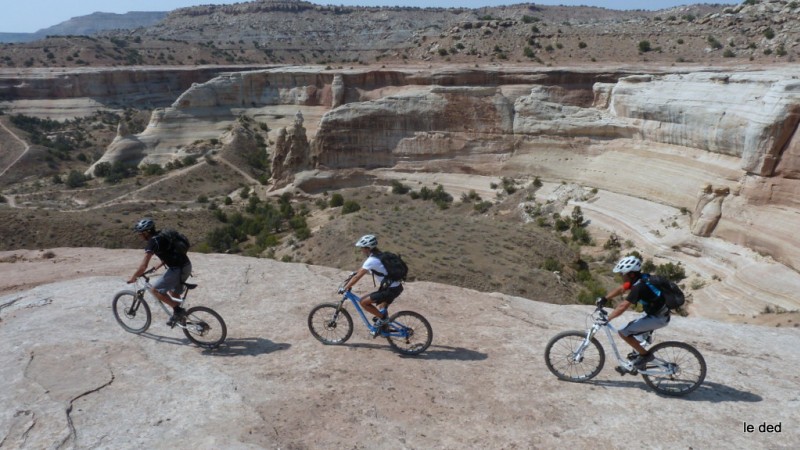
point(131, 313)
point(684, 369)
point(565, 360)
point(329, 324)
point(409, 333)
point(205, 327)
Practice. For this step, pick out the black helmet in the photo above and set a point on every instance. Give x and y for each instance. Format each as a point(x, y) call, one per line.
point(145, 224)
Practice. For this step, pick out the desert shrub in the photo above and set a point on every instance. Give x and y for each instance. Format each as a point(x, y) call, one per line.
point(509, 185)
point(714, 43)
point(644, 46)
point(470, 197)
point(75, 179)
point(336, 200)
point(674, 272)
point(350, 206)
point(728, 53)
point(769, 33)
point(561, 224)
point(482, 207)
point(551, 264)
point(399, 188)
point(528, 52)
point(582, 44)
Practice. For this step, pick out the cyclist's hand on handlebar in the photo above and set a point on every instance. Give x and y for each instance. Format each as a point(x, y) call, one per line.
point(340, 291)
point(601, 302)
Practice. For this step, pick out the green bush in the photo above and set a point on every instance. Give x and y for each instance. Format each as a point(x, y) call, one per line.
point(551, 264)
point(482, 207)
point(644, 46)
point(75, 179)
point(336, 200)
point(399, 188)
point(350, 206)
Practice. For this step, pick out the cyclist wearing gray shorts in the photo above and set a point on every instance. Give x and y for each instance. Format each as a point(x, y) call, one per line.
point(656, 313)
point(179, 268)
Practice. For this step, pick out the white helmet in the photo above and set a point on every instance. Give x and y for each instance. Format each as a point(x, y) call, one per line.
point(628, 264)
point(368, 241)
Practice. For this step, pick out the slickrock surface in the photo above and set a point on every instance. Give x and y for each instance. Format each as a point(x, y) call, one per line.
point(74, 379)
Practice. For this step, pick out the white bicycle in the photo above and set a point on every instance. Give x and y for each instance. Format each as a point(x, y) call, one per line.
point(201, 325)
point(577, 356)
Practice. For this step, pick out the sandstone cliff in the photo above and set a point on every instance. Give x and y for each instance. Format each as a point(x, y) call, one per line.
point(652, 135)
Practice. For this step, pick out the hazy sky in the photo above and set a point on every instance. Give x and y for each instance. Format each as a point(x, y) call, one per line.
point(27, 16)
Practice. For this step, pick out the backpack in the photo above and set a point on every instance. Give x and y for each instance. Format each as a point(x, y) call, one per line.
point(396, 268)
point(666, 289)
point(175, 244)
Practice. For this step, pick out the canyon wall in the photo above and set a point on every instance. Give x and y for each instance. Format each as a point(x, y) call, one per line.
point(664, 136)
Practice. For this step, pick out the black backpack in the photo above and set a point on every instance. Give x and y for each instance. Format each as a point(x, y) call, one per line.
point(666, 289)
point(175, 244)
point(396, 268)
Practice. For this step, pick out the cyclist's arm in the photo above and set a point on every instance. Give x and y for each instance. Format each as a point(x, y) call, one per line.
point(142, 267)
point(623, 305)
point(361, 272)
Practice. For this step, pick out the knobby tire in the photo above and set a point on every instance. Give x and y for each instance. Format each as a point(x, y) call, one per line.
point(690, 369)
point(325, 328)
point(408, 333)
point(559, 355)
point(135, 321)
point(205, 327)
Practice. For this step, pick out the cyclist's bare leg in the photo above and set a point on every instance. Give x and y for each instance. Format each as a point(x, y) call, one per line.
point(369, 307)
point(633, 343)
point(164, 298)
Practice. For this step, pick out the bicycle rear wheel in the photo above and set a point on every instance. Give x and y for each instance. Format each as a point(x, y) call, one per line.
point(684, 369)
point(131, 313)
point(408, 332)
point(562, 358)
point(329, 324)
point(205, 327)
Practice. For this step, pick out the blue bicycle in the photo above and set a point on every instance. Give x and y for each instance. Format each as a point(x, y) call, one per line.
point(407, 332)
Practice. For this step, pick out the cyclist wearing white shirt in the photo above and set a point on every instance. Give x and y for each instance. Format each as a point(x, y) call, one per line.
point(386, 294)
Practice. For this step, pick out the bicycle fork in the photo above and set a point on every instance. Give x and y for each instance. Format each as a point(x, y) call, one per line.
point(137, 300)
point(577, 355)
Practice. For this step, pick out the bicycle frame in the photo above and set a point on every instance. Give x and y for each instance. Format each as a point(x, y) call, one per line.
point(391, 329)
point(356, 301)
point(141, 287)
point(663, 367)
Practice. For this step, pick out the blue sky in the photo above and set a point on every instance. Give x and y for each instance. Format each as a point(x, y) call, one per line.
point(27, 16)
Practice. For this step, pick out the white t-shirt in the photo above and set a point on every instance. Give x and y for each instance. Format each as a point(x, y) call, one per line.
point(373, 264)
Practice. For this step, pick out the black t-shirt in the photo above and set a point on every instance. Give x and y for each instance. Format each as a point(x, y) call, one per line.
point(157, 245)
point(642, 294)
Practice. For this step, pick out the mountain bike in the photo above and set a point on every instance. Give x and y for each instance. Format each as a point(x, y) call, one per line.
point(407, 332)
point(200, 324)
point(678, 368)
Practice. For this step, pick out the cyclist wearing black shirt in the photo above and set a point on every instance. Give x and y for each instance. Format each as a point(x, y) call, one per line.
point(179, 268)
point(656, 313)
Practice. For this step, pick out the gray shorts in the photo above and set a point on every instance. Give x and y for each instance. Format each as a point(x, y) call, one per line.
point(173, 279)
point(645, 323)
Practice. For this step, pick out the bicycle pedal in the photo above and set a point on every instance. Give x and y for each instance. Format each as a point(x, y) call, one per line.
point(620, 370)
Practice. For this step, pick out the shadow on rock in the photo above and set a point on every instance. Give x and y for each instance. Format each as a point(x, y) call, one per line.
point(707, 392)
point(716, 392)
point(435, 352)
point(246, 347)
point(443, 352)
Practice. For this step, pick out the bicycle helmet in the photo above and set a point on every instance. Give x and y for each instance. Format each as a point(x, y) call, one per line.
point(368, 241)
point(145, 224)
point(628, 264)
